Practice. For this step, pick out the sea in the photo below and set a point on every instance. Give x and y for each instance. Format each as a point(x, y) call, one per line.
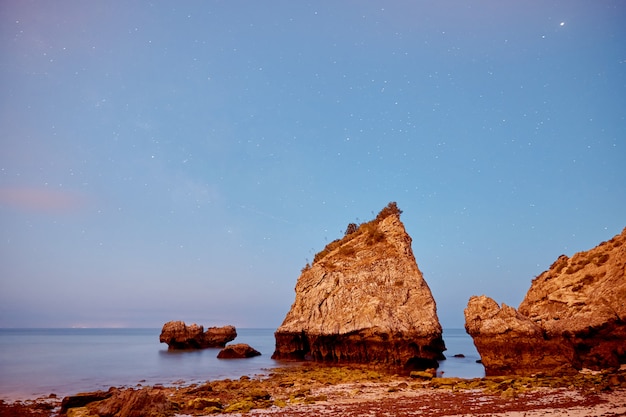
point(39, 362)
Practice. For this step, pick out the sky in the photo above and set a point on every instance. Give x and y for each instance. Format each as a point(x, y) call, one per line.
point(185, 160)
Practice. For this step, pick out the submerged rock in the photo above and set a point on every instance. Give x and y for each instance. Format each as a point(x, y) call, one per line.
point(178, 335)
point(573, 317)
point(238, 351)
point(364, 300)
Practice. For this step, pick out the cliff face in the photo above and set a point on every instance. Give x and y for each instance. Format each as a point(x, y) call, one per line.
point(364, 300)
point(511, 344)
point(573, 317)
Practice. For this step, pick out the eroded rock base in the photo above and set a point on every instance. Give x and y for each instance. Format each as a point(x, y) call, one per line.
point(361, 347)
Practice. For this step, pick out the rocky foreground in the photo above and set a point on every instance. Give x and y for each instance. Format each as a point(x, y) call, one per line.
point(314, 390)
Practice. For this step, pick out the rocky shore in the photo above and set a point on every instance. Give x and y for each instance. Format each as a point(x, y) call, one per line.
point(317, 389)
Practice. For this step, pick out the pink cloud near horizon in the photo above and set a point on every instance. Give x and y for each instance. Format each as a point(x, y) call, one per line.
point(41, 199)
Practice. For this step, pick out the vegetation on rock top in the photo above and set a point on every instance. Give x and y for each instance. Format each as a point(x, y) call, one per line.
point(370, 229)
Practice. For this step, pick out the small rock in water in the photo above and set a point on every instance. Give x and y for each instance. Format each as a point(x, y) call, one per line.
point(237, 351)
point(179, 335)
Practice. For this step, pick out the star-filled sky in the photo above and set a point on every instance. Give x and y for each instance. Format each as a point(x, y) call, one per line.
point(184, 160)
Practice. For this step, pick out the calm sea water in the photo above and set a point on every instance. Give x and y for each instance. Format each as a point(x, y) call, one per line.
point(36, 362)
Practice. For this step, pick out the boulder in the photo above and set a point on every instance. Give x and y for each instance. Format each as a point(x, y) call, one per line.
point(83, 398)
point(509, 343)
point(133, 403)
point(364, 300)
point(573, 317)
point(178, 335)
point(237, 351)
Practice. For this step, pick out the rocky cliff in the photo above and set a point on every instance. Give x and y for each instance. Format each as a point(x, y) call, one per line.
point(573, 317)
point(178, 335)
point(364, 300)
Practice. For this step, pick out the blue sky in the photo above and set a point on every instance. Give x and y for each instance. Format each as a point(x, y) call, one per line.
point(183, 161)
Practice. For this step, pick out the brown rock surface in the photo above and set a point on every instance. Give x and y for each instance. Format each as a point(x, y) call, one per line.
point(356, 390)
point(237, 351)
point(133, 403)
point(353, 390)
point(510, 343)
point(364, 300)
point(82, 399)
point(573, 317)
point(119, 403)
point(178, 335)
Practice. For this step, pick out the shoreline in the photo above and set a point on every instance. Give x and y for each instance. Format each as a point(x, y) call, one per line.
point(316, 389)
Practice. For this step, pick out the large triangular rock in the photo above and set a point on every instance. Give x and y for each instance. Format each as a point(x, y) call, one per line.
point(573, 317)
point(364, 300)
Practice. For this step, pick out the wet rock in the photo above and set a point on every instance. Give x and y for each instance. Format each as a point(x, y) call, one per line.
point(242, 406)
point(238, 351)
point(80, 412)
point(203, 403)
point(364, 300)
point(84, 398)
point(133, 403)
point(178, 335)
point(422, 375)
